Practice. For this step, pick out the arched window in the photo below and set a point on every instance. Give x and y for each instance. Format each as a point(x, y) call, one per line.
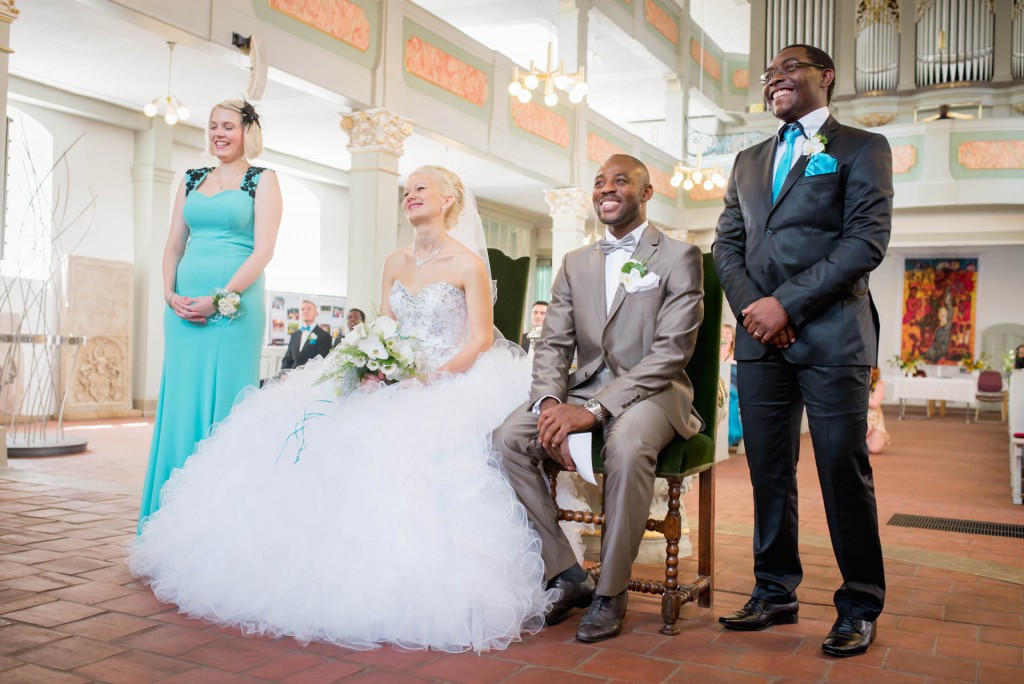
point(28, 224)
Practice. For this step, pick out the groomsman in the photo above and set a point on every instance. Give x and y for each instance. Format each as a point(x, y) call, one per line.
point(354, 318)
point(632, 342)
point(537, 314)
point(309, 341)
point(807, 217)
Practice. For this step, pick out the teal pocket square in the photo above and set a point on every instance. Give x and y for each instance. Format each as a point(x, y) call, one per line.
point(821, 163)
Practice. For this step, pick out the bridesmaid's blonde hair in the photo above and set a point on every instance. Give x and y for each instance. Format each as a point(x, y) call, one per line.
point(450, 185)
point(252, 130)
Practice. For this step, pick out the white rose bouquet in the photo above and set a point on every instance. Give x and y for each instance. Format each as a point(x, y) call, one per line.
point(371, 348)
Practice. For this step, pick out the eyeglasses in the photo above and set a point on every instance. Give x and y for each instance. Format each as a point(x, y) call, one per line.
point(789, 68)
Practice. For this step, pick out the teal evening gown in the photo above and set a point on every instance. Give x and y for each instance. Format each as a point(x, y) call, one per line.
point(206, 366)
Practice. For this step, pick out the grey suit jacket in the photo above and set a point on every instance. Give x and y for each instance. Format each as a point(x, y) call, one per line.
point(813, 249)
point(645, 341)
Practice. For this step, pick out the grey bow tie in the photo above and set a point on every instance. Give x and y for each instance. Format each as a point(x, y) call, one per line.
point(627, 243)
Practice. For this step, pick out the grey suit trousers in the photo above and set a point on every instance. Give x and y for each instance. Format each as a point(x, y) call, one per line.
point(632, 443)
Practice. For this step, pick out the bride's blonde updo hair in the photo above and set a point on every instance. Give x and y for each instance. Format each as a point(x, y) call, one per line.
point(450, 185)
point(252, 130)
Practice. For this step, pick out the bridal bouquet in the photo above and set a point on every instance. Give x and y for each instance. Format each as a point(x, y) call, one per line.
point(371, 348)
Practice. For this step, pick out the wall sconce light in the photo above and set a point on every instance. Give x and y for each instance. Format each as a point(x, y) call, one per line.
point(552, 79)
point(175, 111)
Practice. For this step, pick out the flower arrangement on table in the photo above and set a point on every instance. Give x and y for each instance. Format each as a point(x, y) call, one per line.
point(378, 349)
point(907, 365)
point(970, 365)
point(1009, 357)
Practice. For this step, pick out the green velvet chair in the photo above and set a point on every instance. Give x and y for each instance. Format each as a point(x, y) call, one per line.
point(513, 277)
point(680, 459)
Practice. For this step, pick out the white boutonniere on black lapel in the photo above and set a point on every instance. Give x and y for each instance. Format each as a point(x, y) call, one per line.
point(817, 161)
point(635, 277)
point(312, 338)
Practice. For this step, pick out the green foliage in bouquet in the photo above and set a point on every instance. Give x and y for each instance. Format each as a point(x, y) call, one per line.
point(372, 348)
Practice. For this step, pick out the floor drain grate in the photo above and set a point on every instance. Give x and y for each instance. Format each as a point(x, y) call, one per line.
point(925, 522)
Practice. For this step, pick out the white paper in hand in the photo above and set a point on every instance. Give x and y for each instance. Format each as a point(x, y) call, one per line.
point(582, 456)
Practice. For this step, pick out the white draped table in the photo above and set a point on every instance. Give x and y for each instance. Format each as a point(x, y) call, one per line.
point(934, 389)
point(1016, 428)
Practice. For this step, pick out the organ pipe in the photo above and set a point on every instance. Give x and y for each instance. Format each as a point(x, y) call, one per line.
point(877, 46)
point(811, 22)
point(955, 41)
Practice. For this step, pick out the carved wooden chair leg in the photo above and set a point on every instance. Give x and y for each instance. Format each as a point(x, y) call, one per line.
point(672, 529)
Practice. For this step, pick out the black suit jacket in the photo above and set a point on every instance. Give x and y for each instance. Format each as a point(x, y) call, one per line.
point(317, 344)
point(813, 249)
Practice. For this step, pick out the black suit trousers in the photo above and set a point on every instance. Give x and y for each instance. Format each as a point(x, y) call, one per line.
point(772, 394)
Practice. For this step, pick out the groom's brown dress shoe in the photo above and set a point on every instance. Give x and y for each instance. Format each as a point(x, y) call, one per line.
point(573, 595)
point(759, 614)
point(604, 619)
point(849, 636)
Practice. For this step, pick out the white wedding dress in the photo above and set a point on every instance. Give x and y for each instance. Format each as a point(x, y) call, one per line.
point(381, 517)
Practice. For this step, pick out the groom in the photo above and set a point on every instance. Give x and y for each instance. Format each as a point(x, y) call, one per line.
point(631, 344)
point(807, 217)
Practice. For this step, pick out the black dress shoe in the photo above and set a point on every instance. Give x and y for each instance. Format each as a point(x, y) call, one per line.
point(573, 595)
point(759, 614)
point(604, 619)
point(849, 637)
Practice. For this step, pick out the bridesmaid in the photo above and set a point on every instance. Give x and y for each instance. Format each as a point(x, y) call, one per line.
point(223, 228)
point(728, 356)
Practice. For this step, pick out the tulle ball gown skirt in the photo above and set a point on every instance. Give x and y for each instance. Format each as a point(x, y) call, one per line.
point(379, 518)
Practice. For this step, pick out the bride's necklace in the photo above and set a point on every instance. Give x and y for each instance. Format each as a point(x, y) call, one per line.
point(420, 262)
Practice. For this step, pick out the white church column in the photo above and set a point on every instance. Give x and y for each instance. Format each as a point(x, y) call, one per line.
point(376, 138)
point(152, 178)
point(569, 209)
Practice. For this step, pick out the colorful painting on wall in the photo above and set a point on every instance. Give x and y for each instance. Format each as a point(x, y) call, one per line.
point(939, 301)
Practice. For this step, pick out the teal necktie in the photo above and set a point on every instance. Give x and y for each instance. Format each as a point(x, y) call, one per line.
point(790, 133)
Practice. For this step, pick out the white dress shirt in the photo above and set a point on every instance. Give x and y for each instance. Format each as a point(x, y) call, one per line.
point(613, 264)
point(812, 123)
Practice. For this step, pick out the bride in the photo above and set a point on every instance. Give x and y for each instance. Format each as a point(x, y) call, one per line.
point(378, 517)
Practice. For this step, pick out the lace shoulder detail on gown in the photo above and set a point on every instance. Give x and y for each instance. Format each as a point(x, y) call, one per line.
point(436, 317)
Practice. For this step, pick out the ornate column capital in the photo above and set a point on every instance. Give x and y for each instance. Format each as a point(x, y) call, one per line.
point(8, 12)
point(378, 129)
point(573, 202)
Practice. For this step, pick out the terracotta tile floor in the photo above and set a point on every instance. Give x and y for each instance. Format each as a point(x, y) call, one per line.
point(70, 611)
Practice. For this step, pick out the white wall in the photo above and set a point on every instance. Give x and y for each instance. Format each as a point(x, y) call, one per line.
point(99, 164)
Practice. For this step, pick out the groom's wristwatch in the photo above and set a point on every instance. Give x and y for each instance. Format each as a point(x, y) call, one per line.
point(596, 410)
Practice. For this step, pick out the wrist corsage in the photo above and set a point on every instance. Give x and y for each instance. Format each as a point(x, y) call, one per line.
point(227, 304)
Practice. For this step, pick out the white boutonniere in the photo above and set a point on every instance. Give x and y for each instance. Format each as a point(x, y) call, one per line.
point(311, 339)
point(814, 145)
point(635, 277)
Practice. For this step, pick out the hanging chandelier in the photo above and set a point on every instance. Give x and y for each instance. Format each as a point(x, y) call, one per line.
point(690, 177)
point(174, 110)
point(553, 80)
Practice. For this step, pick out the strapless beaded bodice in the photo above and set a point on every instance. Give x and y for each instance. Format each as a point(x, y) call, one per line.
point(436, 317)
